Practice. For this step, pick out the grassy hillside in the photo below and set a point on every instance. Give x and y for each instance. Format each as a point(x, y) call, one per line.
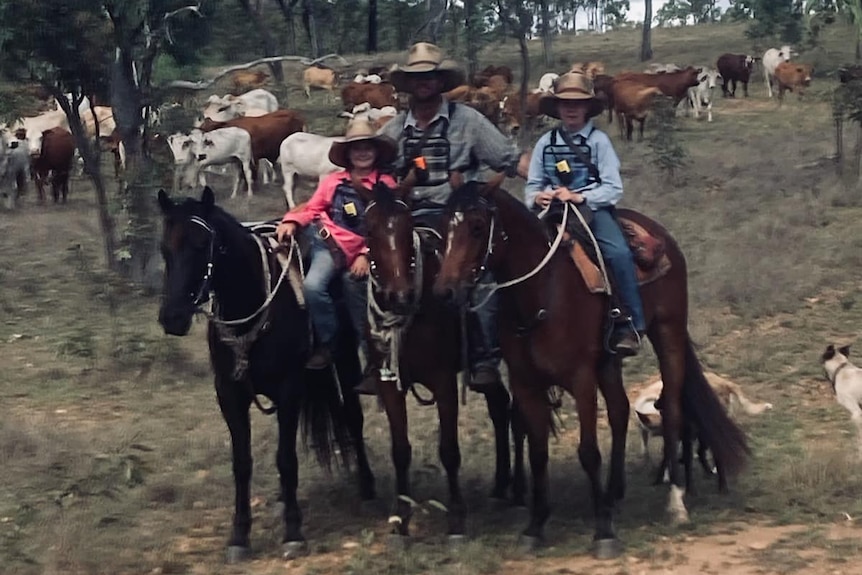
point(114, 458)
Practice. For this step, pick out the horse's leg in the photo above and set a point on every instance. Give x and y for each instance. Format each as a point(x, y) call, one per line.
point(396, 412)
point(611, 386)
point(355, 421)
point(585, 385)
point(235, 412)
point(669, 342)
point(535, 410)
point(498, 402)
point(688, 456)
point(445, 388)
point(519, 432)
point(288, 470)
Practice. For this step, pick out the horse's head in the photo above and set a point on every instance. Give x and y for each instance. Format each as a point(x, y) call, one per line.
point(188, 241)
point(469, 239)
point(389, 233)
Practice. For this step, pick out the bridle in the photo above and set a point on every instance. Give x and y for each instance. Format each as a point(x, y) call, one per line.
point(477, 271)
point(374, 273)
point(203, 292)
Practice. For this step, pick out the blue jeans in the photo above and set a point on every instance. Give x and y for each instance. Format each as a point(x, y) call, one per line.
point(320, 273)
point(484, 349)
point(618, 255)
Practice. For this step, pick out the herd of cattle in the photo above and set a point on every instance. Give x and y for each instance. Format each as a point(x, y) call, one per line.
point(252, 133)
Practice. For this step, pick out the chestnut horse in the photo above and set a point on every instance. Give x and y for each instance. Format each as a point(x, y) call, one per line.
point(551, 331)
point(259, 342)
point(403, 269)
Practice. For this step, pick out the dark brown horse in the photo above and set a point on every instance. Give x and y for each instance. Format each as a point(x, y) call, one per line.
point(259, 343)
point(428, 351)
point(551, 329)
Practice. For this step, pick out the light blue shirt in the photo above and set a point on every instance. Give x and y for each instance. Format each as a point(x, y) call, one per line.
point(541, 178)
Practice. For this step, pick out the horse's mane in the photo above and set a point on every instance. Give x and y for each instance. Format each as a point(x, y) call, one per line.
point(217, 216)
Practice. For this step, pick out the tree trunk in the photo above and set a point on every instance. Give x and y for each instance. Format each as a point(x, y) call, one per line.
point(371, 44)
point(472, 33)
point(524, 135)
point(547, 48)
point(858, 49)
point(287, 11)
point(309, 21)
point(646, 42)
point(265, 37)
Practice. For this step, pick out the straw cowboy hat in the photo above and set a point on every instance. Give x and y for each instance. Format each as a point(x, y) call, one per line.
point(424, 57)
point(362, 131)
point(570, 86)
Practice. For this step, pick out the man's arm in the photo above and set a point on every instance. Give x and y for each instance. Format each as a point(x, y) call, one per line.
point(491, 146)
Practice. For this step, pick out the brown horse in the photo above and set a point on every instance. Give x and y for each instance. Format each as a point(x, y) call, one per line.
point(428, 351)
point(551, 331)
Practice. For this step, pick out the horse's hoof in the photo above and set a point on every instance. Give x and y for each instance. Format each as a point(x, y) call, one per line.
point(456, 541)
point(607, 548)
point(529, 543)
point(679, 517)
point(397, 542)
point(293, 549)
point(237, 554)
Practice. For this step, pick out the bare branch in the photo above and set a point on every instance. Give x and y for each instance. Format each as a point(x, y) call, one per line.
point(204, 84)
point(166, 19)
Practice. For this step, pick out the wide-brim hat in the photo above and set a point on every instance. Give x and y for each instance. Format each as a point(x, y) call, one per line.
point(362, 131)
point(571, 86)
point(424, 57)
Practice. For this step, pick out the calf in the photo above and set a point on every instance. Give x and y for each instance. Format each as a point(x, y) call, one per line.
point(632, 101)
point(701, 95)
point(510, 108)
point(267, 132)
point(54, 162)
point(846, 380)
point(14, 167)
point(378, 117)
point(656, 68)
point(792, 76)
point(591, 69)
point(602, 86)
point(245, 80)
point(673, 84)
point(255, 103)
point(378, 95)
point(320, 78)
point(546, 82)
point(734, 68)
point(219, 147)
point(483, 99)
point(304, 154)
point(771, 59)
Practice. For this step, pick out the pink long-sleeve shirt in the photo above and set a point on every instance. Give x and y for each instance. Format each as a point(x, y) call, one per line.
point(350, 243)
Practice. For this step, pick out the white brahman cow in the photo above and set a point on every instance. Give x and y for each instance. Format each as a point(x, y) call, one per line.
point(770, 61)
point(304, 154)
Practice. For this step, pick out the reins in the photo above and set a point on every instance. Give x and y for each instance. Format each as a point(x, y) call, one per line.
point(494, 287)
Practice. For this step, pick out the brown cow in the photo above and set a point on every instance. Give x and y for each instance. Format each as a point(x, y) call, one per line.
point(511, 111)
point(602, 86)
point(267, 132)
point(632, 100)
point(483, 99)
point(481, 78)
point(792, 76)
point(54, 163)
point(673, 84)
point(319, 77)
point(591, 69)
point(245, 80)
point(378, 95)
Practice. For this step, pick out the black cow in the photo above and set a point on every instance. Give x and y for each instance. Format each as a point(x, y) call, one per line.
point(735, 68)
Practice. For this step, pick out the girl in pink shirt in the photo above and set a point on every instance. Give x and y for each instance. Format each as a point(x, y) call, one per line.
point(333, 220)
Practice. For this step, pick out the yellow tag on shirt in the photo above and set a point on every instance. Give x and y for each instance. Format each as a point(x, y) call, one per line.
point(563, 166)
point(350, 209)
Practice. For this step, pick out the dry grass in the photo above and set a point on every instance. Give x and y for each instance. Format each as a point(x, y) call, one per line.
point(114, 458)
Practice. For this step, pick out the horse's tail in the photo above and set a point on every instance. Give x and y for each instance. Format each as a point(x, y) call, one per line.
point(323, 420)
point(720, 433)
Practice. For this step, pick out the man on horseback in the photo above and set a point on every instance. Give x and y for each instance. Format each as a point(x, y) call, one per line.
point(436, 138)
point(577, 163)
point(333, 220)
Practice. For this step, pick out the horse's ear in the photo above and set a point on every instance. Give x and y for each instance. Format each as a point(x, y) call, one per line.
point(208, 199)
point(845, 351)
point(364, 193)
point(165, 202)
point(492, 185)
